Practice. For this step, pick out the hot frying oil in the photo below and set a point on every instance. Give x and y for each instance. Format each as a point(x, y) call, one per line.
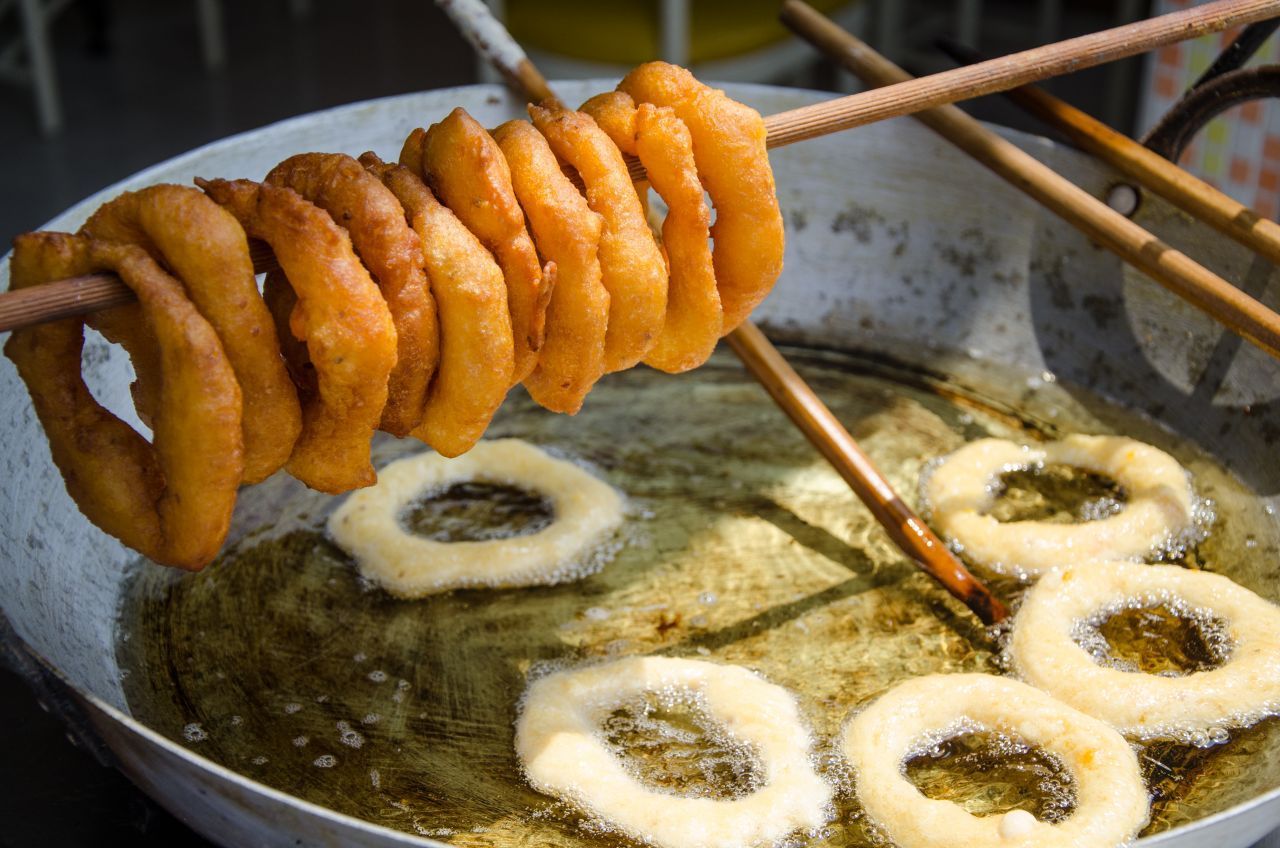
point(741, 546)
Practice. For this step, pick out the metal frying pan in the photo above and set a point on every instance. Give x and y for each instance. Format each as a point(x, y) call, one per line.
point(927, 301)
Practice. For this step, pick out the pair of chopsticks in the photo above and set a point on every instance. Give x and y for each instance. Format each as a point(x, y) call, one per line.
point(1242, 314)
point(82, 295)
point(1143, 165)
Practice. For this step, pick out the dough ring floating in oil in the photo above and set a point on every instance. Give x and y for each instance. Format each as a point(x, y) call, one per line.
point(1111, 797)
point(1239, 692)
point(1160, 506)
point(558, 740)
point(368, 527)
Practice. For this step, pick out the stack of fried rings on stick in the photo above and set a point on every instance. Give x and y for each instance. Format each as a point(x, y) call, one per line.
point(409, 298)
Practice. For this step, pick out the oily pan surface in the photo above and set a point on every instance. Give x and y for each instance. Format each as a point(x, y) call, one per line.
point(742, 547)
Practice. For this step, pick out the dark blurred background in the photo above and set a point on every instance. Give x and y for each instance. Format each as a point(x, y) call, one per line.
point(138, 81)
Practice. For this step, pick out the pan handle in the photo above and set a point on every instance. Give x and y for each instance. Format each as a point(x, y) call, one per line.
point(52, 692)
point(1208, 100)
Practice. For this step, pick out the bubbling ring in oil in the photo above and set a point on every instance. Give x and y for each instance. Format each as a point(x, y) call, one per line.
point(1246, 688)
point(563, 752)
point(1161, 508)
point(1111, 798)
point(369, 525)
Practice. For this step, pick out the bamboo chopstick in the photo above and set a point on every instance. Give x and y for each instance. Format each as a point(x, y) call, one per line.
point(907, 95)
point(486, 36)
point(67, 298)
point(764, 362)
point(825, 432)
point(1174, 270)
point(1222, 212)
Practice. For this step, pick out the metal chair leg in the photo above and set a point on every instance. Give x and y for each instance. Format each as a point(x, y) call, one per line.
point(212, 42)
point(35, 29)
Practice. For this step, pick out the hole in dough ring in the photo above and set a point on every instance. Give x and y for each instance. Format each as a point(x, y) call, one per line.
point(1111, 798)
point(1238, 692)
point(367, 525)
point(560, 745)
point(1160, 504)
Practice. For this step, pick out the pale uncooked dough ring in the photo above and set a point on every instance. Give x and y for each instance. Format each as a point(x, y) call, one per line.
point(1160, 506)
point(560, 744)
point(1239, 692)
point(1111, 798)
point(367, 525)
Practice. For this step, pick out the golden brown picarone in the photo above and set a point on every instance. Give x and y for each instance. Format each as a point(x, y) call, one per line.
point(171, 498)
point(477, 352)
point(405, 297)
point(217, 274)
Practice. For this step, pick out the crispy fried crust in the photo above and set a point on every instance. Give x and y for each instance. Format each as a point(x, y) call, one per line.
point(567, 233)
point(392, 253)
point(217, 273)
point(170, 499)
point(733, 164)
point(340, 315)
point(694, 316)
point(476, 348)
point(634, 272)
point(467, 172)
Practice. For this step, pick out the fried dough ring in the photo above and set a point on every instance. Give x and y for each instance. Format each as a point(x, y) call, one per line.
point(729, 146)
point(1159, 511)
point(369, 524)
point(217, 274)
point(170, 499)
point(1239, 692)
point(567, 233)
point(476, 348)
point(1111, 798)
point(340, 315)
point(392, 252)
point(558, 741)
point(632, 268)
point(694, 319)
point(467, 172)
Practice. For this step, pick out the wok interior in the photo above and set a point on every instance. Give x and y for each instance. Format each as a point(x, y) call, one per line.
point(742, 546)
point(896, 245)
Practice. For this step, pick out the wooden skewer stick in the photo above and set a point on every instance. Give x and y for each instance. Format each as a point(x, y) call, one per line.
point(907, 95)
point(67, 298)
point(1174, 270)
point(764, 362)
point(1222, 212)
point(825, 432)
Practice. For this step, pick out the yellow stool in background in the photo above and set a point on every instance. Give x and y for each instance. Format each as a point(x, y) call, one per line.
point(739, 40)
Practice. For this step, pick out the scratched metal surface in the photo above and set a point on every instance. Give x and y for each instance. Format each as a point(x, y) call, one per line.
point(896, 245)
